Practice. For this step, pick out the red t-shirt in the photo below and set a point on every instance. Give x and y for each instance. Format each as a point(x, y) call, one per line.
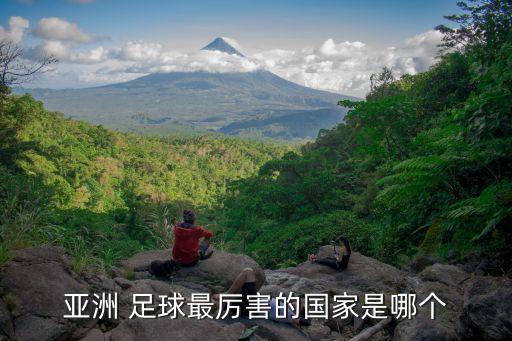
point(186, 243)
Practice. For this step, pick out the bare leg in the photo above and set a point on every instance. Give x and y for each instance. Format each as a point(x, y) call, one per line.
point(247, 275)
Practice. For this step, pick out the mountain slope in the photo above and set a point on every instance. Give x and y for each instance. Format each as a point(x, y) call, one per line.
point(201, 101)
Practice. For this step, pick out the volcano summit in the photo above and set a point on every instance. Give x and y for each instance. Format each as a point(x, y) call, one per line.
point(257, 103)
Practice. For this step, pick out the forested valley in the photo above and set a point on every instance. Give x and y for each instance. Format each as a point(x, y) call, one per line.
point(105, 195)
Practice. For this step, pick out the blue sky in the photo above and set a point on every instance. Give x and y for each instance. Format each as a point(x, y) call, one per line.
point(258, 26)
point(277, 23)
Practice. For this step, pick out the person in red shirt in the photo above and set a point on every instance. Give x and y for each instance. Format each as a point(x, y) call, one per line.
point(191, 241)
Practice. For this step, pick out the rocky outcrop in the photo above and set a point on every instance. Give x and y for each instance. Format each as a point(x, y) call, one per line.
point(33, 285)
point(445, 281)
point(364, 273)
point(487, 310)
point(176, 329)
point(216, 273)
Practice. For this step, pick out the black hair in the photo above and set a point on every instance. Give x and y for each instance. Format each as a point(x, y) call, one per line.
point(345, 242)
point(189, 217)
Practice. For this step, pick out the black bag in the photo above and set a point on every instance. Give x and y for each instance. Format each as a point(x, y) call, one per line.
point(163, 269)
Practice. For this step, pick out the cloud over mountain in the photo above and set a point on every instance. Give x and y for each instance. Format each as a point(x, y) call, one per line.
point(342, 67)
point(346, 66)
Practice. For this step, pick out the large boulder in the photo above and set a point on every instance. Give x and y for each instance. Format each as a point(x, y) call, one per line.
point(445, 281)
point(271, 330)
point(138, 287)
point(34, 284)
point(448, 274)
point(6, 325)
point(420, 262)
point(487, 311)
point(421, 328)
point(282, 281)
point(215, 273)
point(363, 273)
point(176, 329)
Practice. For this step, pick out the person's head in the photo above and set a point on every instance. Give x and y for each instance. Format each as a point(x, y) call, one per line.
point(344, 242)
point(189, 217)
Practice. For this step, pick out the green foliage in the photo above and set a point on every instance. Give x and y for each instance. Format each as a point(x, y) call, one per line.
point(424, 164)
point(104, 195)
point(279, 244)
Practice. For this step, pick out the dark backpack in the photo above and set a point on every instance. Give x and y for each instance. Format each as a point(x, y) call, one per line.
point(163, 269)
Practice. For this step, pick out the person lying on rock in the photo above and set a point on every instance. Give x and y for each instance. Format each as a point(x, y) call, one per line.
point(336, 262)
point(245, 284)
point(191, 241)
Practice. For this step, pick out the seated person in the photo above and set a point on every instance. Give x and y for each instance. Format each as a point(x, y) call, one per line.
point(245, 284)
point(336, 262)
point(191, 241)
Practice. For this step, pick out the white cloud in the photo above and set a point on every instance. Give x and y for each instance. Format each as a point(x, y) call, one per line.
point(152, 57)
point(342, 67)
point(139, 51)
point(346, 67)
point(58, 29)
point(17, 28)
point(65, 52)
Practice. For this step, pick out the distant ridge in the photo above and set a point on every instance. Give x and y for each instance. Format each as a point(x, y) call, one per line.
point(257, 103)
point(220, 44)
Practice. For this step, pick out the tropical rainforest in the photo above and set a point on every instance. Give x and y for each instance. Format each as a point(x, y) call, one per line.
point(105, 195)
point(422, 166)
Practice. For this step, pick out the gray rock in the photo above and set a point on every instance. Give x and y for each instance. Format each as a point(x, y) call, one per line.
point(142, 286)
point(41, 254)
point(95, 335)
point(318, 332)
point(123, 282)
point(487, 311)
point(448, 274)
point(364, 273)
point(34, 328)
point(37, 279)
point(175, 329)
point(420, 262)
point(421, 328)
point(100, 282)
point(40, 287)
point(272, 330)
point(6, 326)
point(218, 271)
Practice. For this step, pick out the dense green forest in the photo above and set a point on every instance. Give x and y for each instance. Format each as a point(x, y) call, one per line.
point(105, 195)
point(423, 165)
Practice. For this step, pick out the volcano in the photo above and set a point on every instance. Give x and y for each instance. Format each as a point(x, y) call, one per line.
point(257, 103)
point(221, 44)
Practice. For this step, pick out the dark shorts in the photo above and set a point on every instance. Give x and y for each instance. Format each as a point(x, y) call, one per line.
point(333, 263)
point(249, 288)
